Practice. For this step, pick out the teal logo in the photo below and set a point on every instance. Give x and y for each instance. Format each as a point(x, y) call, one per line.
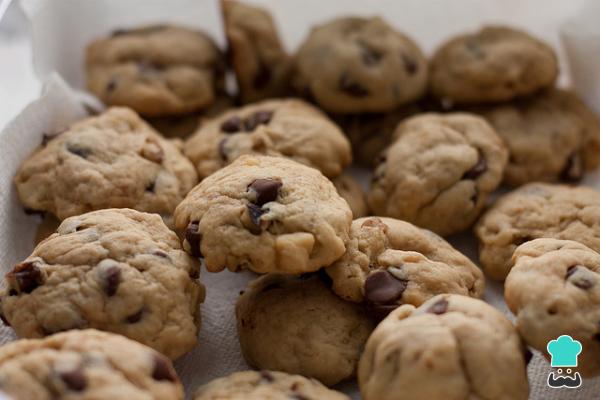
point(564, 351)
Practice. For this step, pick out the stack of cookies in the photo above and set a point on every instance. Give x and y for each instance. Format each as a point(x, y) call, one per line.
point(348, 285)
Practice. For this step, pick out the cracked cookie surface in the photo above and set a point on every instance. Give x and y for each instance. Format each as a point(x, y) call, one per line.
point(156, 70)
point(86, 364)
point(450, 348)
point(269, 214)
point(111, 160)
point(389, 262)
point(289, 127)
point(116, 270)
point(309, 330)
point(439, 171)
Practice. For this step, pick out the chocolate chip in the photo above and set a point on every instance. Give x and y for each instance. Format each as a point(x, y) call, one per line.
point(570, 271)
point(255, 212)
point(27, 277)
point(78, 150)
point(528, 355)
point(439, 307)
point(262, 77)
point(580, 277)
point(380, 311)
point(477, 170)
point(267, 376)
point(112, 279)
point(232, 125)
point(351, 88)
point(370, 57)
point(163, 371)
point(111, 85)
point(75, 379)
point(573, 169)
point(150, 187)
point(222, 149)
point(410, 65)
point(134, 318)
point(265, 190)
point(160, 253)
point(194, 238)
point(256, 119)
point(382, 287)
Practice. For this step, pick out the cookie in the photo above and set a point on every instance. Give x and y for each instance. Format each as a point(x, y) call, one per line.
point(290, 128)
point(554, 289)
point(111, 160)
point(551, 137)
point(261, 64)
point(350, 189)
point(356, 65)
point(299, 326)
point(86, 364)
point(156, 70)
point(116, 270)
point(389, 262)
point(266, 385)
point(451, 347)
point(439, 171)
point(268, 214)
point(534, 211)
point(494, 64)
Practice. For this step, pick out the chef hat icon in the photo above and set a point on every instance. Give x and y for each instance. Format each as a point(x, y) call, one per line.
point(564, 351)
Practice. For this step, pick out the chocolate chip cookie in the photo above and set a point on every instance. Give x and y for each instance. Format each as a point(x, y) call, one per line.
point(117, 270)
point(494, 64)
point(350, 189)
point(554, 289)
point(269, 214)
point(389, 262)
point(451, 347)
point(354, 65)
point(266, 385)
point(86, 364)
point(552, 136)
point(289, 128)
point(261, 64)
point(533, 211)
point(111, 160)
point(439, 171)
point(156, 70)
point(299, 326)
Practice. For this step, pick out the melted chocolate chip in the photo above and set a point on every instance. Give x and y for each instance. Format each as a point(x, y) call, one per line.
point(583, 280)
point(267, 376)
point(222, 149)
point(160, 253)
point(150, 187)
point(163, 371)
point(266, 190)
point(232, 125)
point(370, 56)
point(256, 119)
point(440, 307)
point(410, 65)
point(111, 85)
point(570, 271)
point(78, 151)
point(27, 277)
point(112, 279)
point(573, 169)
point(75, 379)
point(351, 88)
point(381, 287)
point(194, 238)
point(263, 76)
point(477, 170)
point(134, 318)
point(255, 212)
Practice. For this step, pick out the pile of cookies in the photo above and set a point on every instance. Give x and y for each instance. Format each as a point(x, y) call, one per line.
point(351, 285)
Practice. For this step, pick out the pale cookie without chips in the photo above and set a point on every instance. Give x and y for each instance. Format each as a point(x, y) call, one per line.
point(86, 364)
point(554, 289)
point(266, 385)
point(494, 64)
point(298, 325)
point(389, 262)
point(268, 214)
point(533, 211)
point(156, 70)
point(450, 348)
point(355, 65)
point(116, 270)
point(114, 160)
point(289, 128)
point(439, 171)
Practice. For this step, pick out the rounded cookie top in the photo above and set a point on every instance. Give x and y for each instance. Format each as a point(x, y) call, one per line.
point(389, 262)
point(111, 160)
point(279, 314)
point(290, 128)
point(86, 364)
point(350, 189)
point(268, 214)
point(261, 64)
point(491, 65)
point(156, 70)
point(439, 171)
point(266, 385)
point(353, 65)
point(116, 270)
point(451, 347)
point(534, 211)
point(554, 289)
point(552, 136)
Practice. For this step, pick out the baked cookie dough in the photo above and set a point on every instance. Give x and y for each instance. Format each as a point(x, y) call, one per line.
point(554, 289)
point(355, 65)
point(111, 160)
point(268, 214)
point(439, 171)
point(349, 188)
point(450, 348)
point(551, 137)
point(494, 64)
point(261, 64)
point(534, 211)
point(86, 364)
point(298, 325)
point(389, 262)
point(156, 70)
point(266, 385)
point(116, 270)
point(290, 128)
